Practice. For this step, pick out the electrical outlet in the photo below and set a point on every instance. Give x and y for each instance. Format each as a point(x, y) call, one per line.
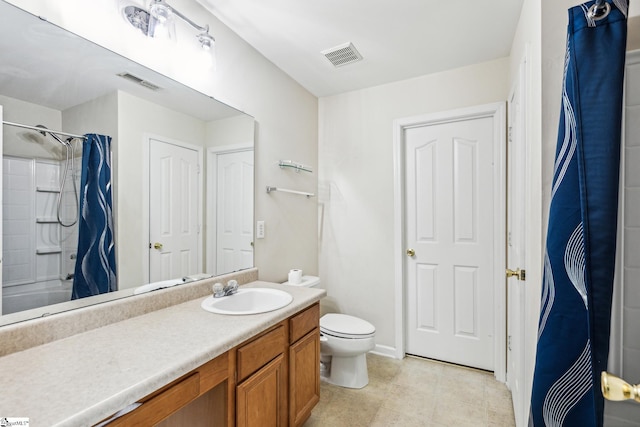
point(260, 230)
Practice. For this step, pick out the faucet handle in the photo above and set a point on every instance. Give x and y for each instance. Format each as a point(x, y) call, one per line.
point(218, 290)
point(231, 288)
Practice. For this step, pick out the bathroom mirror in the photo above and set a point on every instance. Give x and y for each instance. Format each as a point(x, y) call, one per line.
point(54, 78)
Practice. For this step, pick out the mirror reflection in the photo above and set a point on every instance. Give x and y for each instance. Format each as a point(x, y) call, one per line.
point(181, 169)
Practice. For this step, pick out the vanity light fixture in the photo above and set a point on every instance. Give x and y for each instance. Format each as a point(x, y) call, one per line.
point(158, 22)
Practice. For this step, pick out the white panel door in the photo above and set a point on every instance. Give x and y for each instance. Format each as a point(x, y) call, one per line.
point(449, 224)
point(173, 211)
point(516, 244)
point(234, 204)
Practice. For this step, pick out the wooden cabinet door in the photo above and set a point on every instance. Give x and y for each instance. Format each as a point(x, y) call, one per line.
point(261, 398)
point(304, 377)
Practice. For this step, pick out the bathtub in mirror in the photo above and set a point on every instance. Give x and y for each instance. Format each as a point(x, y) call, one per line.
point(53, 78)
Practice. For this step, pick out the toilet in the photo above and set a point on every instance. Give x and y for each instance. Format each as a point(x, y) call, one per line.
point(344, 342)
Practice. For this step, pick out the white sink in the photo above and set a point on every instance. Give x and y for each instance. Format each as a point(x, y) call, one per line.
point(248, 301)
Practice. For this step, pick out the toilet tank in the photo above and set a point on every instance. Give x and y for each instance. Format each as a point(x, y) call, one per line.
point(307, 282)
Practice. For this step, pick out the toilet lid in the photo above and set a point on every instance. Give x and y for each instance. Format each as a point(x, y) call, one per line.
point(343, 325)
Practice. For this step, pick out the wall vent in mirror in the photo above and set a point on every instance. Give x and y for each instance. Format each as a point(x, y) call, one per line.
point(138, 80)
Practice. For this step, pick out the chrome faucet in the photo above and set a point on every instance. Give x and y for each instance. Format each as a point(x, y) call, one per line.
point(231, 288)
point(223, 291)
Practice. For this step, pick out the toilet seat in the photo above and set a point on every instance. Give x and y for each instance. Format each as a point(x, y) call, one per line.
point(345, 326)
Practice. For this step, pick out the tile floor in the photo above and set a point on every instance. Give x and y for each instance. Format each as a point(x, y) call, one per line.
point(416, 392)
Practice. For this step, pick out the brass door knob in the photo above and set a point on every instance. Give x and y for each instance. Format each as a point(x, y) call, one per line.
point(157, 246)
point(517, 273)
point(411, 252)
point(614, 388)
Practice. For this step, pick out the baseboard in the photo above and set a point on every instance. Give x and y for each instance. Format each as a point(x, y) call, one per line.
point(384, 350)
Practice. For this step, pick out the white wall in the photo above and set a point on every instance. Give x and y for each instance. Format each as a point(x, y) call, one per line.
point(356, 182)
point(286, 114)
point(24, 142)
point(232, 131)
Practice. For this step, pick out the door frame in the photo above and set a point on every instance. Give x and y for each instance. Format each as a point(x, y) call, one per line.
point(497, 111)
point(1, 204)
point(520, 86)
point(211, 196)
point(146, 150)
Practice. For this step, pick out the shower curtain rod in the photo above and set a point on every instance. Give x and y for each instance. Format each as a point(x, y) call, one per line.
point(43, 130)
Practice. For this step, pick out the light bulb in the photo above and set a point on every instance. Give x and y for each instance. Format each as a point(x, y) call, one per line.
point(206, 41)
point(160, 10)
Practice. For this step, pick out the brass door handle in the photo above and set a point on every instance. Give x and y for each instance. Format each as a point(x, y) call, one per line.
point(517, 273)
point(157, 246)
point(614, 388)
point(411, 252)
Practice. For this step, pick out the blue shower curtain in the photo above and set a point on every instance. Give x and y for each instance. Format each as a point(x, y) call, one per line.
point(575, 312)
point(95, 271)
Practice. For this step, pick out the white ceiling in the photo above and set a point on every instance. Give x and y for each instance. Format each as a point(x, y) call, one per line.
point(398, 39)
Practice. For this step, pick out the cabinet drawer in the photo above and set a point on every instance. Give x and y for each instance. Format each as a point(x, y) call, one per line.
point(260, 351)
point(303, 322)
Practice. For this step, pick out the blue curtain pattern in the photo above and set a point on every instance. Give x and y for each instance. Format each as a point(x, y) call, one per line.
point(575, 311)
point(95, 271)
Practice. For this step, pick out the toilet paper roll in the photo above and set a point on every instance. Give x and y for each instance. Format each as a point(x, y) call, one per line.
point(295, 276)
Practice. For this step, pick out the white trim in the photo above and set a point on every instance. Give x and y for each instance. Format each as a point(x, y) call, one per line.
point(498, 112)
point(384, 350)
point(211, 198)
point(1, 202)
point(231, 148)
point(147, 137)
point(521, 82)
point(398, 235)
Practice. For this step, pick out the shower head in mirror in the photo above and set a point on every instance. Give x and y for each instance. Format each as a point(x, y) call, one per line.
point(46, 131)
point(42, 132)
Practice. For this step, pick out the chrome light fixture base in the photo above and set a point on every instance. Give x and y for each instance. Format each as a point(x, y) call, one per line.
point(161, 11)
point(206, 40)
point(137, 17)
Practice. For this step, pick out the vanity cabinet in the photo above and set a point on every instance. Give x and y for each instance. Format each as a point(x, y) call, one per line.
point(260, 399)
point(279, 373)
point(273, 379)
point(261, 393)
point(196, 399)
point(304, 364)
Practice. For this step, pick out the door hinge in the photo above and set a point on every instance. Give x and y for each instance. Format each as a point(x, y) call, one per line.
point(510, 133)
point(509, 342)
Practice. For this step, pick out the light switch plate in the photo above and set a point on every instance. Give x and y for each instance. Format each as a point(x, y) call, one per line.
point(260, 230)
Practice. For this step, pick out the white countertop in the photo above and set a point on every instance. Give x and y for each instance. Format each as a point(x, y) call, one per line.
point(84, 378)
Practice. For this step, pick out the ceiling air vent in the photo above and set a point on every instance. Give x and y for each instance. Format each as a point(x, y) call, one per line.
point(342, 55)
point(138, 80)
